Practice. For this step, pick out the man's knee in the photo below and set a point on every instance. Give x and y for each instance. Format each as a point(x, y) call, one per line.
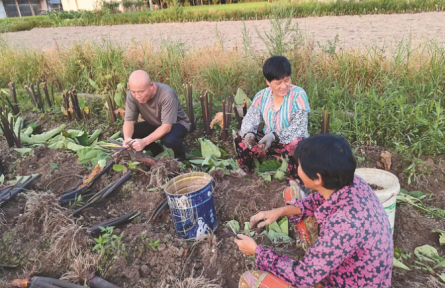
point(171, 141)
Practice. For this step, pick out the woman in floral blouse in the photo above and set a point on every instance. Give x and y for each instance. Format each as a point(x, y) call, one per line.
point(355, 247)
point(284, 108)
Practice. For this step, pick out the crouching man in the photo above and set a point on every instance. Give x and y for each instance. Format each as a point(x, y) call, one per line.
point(159, 106)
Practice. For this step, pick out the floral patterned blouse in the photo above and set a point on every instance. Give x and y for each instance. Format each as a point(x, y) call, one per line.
point(354, 249)
point(289, 122)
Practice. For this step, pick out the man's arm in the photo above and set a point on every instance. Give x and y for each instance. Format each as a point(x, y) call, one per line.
point(128, 130)
point(139, 144)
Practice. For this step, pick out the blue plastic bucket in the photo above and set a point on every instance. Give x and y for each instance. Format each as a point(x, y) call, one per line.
point(190, 198)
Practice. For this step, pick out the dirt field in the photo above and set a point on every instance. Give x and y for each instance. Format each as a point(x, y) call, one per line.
point(353, 31)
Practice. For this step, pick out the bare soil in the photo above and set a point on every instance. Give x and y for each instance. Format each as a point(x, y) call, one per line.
point(354, 32)
point(27, 239)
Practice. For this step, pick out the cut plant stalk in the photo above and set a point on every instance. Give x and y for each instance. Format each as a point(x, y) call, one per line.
point(104, 192)
point(32, 96)
point(133, 154)
point(39, 96)
point(15, 105)
point(114, 222)
point(237, 116)
point(7, 126)
point(223, 134)
point(188, 95)
point(111, 107)
point(124, 93)
point(325, 119)
point(5, 197)
point(69, 195)
point(45, 90)
point(66, 105)
point(75, 104)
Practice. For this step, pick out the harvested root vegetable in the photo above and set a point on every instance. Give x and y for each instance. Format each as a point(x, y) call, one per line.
point(98, 282)
point(22, 183)
point(45, 282)
point(114, 222)
point(104, 192)
point(71, 194)
point(261, 147)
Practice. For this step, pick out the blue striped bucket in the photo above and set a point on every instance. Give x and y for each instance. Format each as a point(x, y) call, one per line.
point(190, 198)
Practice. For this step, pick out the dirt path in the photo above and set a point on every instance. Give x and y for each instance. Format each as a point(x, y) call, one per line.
point(353, 32)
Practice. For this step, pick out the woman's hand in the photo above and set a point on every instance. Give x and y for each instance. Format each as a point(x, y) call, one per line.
point(267, 141)
point(249, 140)
point(246, 244)
point(265, 218)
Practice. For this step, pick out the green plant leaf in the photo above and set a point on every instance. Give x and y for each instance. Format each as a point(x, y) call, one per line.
point(208, 148)
point(234, 224)
point(2, 179)
point(441, 236)
point(284, 165)
point(118, 168)
point(442, 277)
point(239, 98)
point(266, 176)
point(246, 226)
point(269, 166)
point(90, 155)
point(41, 138)
point(280, 175)
point(425, 252)
point(399, 264)
point(53, 165)
point(102, 163)
point(92, 83)
point(274, 227)
point(284, 225)
point(276, 237)
point(441, 264)
point(23, 151)
point(417, 194)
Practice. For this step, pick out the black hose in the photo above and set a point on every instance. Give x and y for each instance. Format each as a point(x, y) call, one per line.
point(45, 282)
point(113, 222)
point(98, 282)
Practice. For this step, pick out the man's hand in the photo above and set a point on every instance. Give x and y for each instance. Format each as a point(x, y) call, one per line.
point(246, 244)
point(267, 141)
point(127, 143)
point(265, 218)
point(249, 140)
point(138, 144)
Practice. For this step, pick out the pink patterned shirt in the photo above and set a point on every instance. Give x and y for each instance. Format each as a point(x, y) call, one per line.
point(354, 249)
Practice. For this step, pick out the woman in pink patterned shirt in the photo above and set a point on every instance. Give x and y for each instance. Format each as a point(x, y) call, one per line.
point(354, 248)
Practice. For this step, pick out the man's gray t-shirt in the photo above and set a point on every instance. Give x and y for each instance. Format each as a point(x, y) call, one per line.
point(164, 108)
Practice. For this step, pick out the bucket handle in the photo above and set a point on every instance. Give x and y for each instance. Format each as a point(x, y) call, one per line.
point(390, 197)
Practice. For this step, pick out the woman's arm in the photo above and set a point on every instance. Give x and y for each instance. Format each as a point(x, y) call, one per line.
point(296, 129)
point(251, 121)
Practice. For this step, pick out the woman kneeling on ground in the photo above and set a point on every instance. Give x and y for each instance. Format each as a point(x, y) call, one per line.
point(355, 247)
point(284, 108)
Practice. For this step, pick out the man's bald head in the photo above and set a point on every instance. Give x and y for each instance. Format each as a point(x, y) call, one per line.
point(141, 86)
point(139, 77)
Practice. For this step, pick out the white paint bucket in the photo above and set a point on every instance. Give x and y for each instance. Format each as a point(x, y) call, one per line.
point(388, 195)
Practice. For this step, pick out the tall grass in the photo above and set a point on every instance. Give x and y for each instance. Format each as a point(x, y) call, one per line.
point(390, 98)
point(243, 11)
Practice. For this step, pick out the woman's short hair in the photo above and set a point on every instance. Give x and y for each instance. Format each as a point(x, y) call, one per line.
point(276, 68)
point(328, 155)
